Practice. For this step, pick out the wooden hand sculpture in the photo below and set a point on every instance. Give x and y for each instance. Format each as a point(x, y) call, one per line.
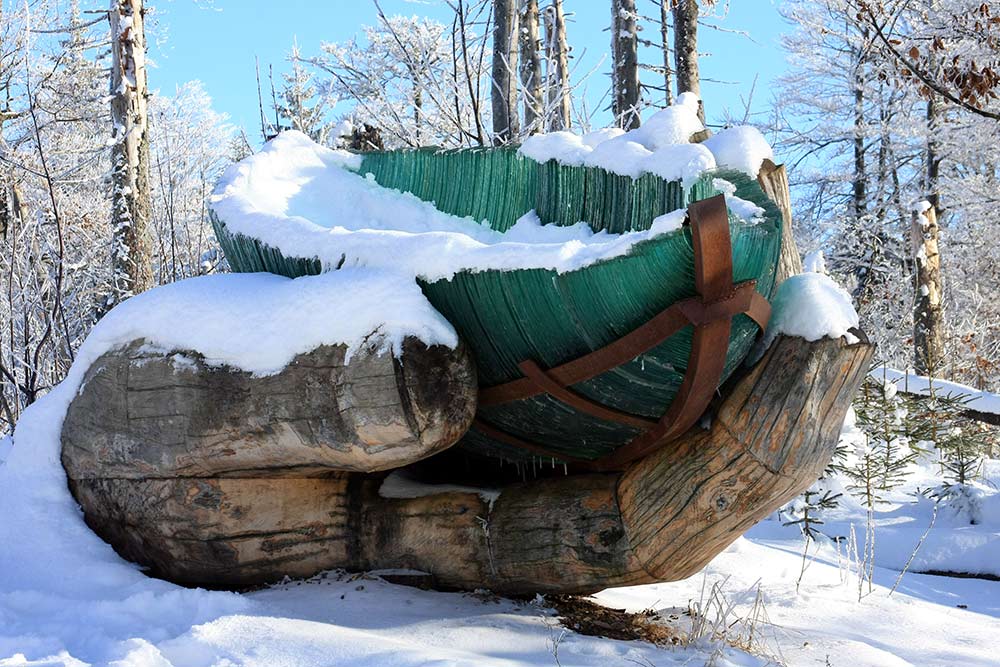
point(210, 476)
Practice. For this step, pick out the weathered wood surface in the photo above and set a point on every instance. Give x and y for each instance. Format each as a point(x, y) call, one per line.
point(662, 519)
point(773, 180)
point(147, 413)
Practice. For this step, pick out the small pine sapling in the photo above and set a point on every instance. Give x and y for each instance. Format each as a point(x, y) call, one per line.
point(884, 453)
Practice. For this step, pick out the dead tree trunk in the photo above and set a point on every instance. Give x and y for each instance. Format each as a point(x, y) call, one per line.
point(661, 519)
point(557, 108)
point(624, 64)
point(504, 88)
point(130, 197)
point(928, 315)
point(686, 49)
point(668, 83)
point(531, 67)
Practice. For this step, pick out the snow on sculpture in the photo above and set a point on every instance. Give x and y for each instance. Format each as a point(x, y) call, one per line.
point(604, 288)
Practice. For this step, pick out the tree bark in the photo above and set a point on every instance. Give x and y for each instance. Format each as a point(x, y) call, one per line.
point(130, 198)
point(928, 315)
point(625, 64)
point(686, 50)
point(531, 68)
point(504, 88)
point(662, 519)
point(556, 69)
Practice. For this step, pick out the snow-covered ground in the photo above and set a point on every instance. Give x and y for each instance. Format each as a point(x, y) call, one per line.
point(910, 382)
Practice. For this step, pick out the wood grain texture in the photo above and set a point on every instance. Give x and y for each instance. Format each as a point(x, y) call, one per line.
point(148, 413)
point(771, 438)
point(660, 520)
point(773, 180)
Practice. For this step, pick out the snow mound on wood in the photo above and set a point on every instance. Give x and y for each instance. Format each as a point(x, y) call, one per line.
point(257, 322)
point(304, 200)
point(741, 148)
point(811, 306)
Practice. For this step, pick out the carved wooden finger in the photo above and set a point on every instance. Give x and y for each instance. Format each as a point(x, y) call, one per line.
point(660, 520)
point(773, 180)
point(147, 413)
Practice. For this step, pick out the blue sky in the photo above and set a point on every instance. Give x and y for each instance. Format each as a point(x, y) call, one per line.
point(217, 41)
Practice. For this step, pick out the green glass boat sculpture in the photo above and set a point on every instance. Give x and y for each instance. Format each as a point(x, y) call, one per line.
point(593, 366)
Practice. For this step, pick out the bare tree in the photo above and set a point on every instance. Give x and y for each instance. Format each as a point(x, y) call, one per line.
point(668, 70)
point(625, 95)
point(530, 66)
point(503, 92)
point(858, 60)
point(131, 245)
point(557, 83)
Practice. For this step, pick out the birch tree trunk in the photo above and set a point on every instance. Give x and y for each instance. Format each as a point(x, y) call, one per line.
point(530, 67)
point(686, 50)
point(625, 64)
point(928, 317)
point(130, 213)
point(504, 88)
point(556, 68)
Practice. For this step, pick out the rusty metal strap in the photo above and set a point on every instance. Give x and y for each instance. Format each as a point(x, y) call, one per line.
point(713, 271)
point(743, 299)
point(711, 315)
